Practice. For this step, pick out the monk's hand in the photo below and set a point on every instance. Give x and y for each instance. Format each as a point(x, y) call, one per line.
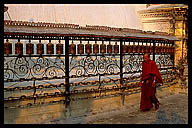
point(153, 84)
point(140, 84)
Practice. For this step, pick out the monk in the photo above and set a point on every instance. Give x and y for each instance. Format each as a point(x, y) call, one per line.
point(150, 76)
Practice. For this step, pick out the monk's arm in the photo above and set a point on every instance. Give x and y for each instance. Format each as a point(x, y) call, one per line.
point(154, 79)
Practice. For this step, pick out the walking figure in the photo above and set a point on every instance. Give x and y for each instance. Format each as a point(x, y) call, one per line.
point(150, 76)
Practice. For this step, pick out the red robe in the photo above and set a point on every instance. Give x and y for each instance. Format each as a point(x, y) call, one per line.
point(149, 70)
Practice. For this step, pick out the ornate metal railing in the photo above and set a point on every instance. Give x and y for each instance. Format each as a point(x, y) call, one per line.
point(40, 69)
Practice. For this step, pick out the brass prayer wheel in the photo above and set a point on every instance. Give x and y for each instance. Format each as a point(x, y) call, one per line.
point(139, 48)
point(88, 49)
point(130, 48)
point(80, 48)
point(157, 49)
point(29, 48)
point(72, 48)
point(50, 48)
point(166, 49)
point(18, 48)
point(151, 49)
point(40, 48)
point(124, 49)
point(134, 48)
point(103, 47)
point(147, 49)
point(143, 49)
point(59, 48)
point(109, 48)
point(161, 49)
point(116, 48)
point(7, 47)
point(95, 48)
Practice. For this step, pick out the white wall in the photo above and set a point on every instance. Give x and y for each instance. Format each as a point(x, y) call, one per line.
point(113, 15)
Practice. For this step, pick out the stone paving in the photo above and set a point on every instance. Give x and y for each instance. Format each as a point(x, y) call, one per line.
point(173, 110)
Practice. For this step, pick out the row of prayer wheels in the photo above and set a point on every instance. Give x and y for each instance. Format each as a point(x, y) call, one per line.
point(89, 48)
point(30, 48)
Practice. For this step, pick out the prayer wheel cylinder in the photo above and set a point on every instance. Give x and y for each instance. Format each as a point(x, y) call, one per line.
point(7, 47)
point(163, 49)
point(124, 50)
point(50, 48)
point(134, 48)
point(147, 49)
point(59, 48)
point(72, 48)
point(18, 48)
point(29, 48)
point(80, 48)
point(143, 49)
point(109, 48)
point(40, 48)
point(95, 48)
point(103, 47)
point(116, 48)
point(130, 48)
point(139, 48)
point(88, 49)
point(166, 49)
point(151, 49)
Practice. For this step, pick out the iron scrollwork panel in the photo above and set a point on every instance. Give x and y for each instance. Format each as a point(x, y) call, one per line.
point(30, 67)
point(132, 63)
point(94, 65)
point(164, 61)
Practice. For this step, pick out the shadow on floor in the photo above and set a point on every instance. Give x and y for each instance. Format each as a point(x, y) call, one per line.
point(161, 118)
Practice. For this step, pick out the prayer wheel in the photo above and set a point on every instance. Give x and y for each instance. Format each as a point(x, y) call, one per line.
point(157, 49)
point(109, 48)
point(151, 48)
point(88, 49)
point(80, 48)
point(139, 48)
point(166, 49)
point(50, 48)
point(59, 48)
point(163, 48)
point(18, 48)
point(143, 49)
point(29, 48)
point(72, 48)
point(103, 47)
point(116, 48)
point(124, 49)
point(147, 49)
point(7, 47)
point(134, 48)
point(95, 48)
point(40, 48)
point(130, 48)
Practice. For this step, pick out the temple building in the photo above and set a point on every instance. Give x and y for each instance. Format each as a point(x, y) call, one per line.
point(170, 18)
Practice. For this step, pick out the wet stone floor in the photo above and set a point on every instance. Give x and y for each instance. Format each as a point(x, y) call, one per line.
point(173, 110)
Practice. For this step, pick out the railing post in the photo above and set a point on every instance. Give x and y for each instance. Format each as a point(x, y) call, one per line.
point(121, 73)
point(121, 63)
point(154, 44)
point(67, 91)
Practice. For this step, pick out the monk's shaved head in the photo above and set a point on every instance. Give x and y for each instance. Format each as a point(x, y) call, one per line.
point(147, 54)
point(146, 57)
